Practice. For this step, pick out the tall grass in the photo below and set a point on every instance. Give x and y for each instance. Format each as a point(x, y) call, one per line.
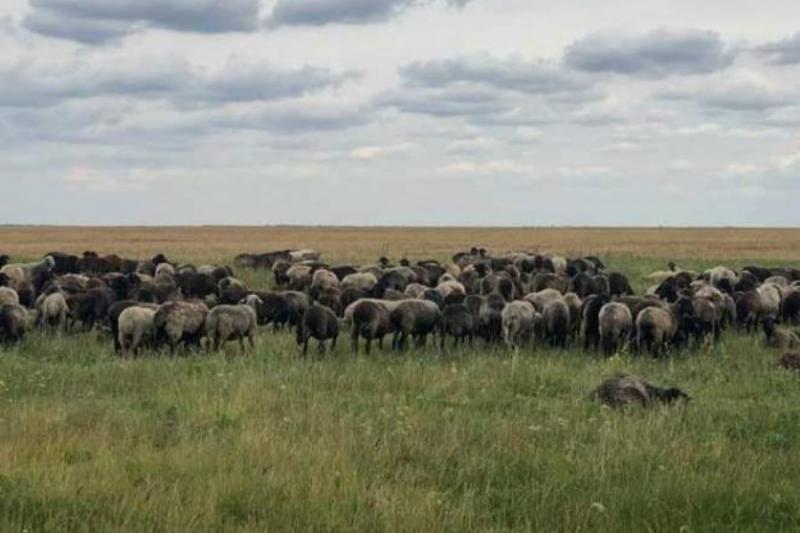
point(475, 439)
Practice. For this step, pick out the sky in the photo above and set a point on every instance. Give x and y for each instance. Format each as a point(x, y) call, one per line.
point(400, 112)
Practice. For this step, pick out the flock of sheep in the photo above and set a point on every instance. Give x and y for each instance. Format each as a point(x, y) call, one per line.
point(516, 299)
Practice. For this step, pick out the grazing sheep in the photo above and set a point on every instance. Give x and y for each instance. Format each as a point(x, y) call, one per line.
point(780, 281)
point(416, 318)
point(4, 259)
point(135, 327)
point(623, 389)
point(556, 321)
point(446, 287)
point(304, 255)
point(655, 328)
point(164, 269)
point(458, 322)
point(749, 310)
point(770, 298)
point(233, 322)
point(575, 304)
point(299, 277)
point(21, 272)
point(615, 323)
point(322, 280)
point(364, 281)
point(415, 290)
point(490, 318)
point(790, 361)
point(90, 306)
point(790, 307)
point(590, 318)
point(541, 298)
point(706, 319)
point(619, 285)
point(332, 299)
point(747, 282)
point(8, 296)
point(52, 311)
point(180, 322)
point(547, 280)
point(279, 271)
point(717, 274)
point(780, 338)
point(518, 320)
point(14, 322)
point(114, 313)
point(320, 323)
point(370, 321)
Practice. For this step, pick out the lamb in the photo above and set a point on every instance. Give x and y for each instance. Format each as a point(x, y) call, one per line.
point(416, 318)
point(556, 321)
point(233, 322)
point(615, 323)
point(14, 322)
point(623, 389)
point(370, 321)
point(135, 327)
point(320, 323)
point(518, 321)
point(180, 322)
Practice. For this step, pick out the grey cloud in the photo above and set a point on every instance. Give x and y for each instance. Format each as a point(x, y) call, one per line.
point(736, 98)
point(784, 52)
point(656, 54)
point(43, 85)
point(532, 77)
point(446, 102)
point(92, 21)
point(323, 12)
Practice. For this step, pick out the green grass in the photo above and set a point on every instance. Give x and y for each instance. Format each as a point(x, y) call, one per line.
point(473, 440)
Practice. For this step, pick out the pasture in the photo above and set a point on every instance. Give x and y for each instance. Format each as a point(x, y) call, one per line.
point(475, 439)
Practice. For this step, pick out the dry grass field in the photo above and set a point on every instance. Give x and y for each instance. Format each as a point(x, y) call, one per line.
point(356, 244)
point(473, 439)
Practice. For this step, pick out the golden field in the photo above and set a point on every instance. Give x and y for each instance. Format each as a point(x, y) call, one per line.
point(358, 244)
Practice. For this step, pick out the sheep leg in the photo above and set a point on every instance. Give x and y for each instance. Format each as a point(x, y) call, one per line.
point(333, 343)
point(305, 345)
point(354, 342)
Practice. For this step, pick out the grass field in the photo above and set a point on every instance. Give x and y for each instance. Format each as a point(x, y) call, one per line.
point(476, 440)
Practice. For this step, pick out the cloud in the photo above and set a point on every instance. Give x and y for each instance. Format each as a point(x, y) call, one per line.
point(656, 54)
point(323, 12)
point(93, 22)
point(31, 83)
point(529, 77)
point(486, 168)
point(784, 52)
point(743, 90)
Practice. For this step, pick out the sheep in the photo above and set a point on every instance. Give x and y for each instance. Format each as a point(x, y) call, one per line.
point(780, 338)
point(770, 298)
point(232, 322)
point(706, 318)
point(790, 361)
point(490, 318)
point(574, 303)
point(541, 298)
point(780, 281)
point(296, 256)
point(547, 280)
point(135, 326)
point(52, 311)
point(518, 319)
point(655, 328)
point(415, 318)
point(320, 323)
point(8, 296)
point(590, 318)
point(322, 280)
point(279, 270)
point(4, 260)
point(790, 307)
point(164, 269)
point(90, 306)
point(415, 290)
point(717, 274)
point(747, 282)
point(624, 389)
point(458, 322)
point(364, 281)
point(446, 287)
point(180, 322)
point(556, 321)
point(615, 323)
point(331, 298)
point(21, 272)
point(370, 321)
point(14, 322)
point(299, 277)
point(618, 285)
point(749, 310)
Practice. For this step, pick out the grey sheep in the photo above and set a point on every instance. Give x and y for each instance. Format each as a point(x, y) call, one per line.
point(135, 326)
point(615, 324)
point(370, 322)
point(320, 323)
point(415, 318)
point(180, 322)
point(623, 389)
point(519, 319)
point(556, 322)
point(233, 322)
